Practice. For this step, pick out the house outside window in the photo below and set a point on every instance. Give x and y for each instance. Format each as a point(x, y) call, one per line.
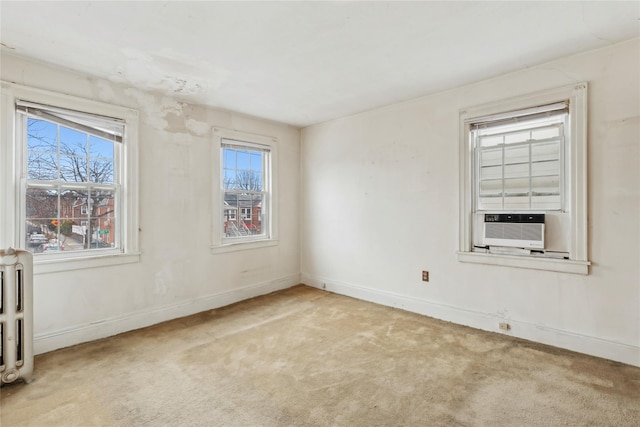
point(525, 156)
point(245, 199)
point(75, 161)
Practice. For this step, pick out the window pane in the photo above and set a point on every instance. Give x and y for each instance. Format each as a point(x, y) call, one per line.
point(488, 141)
point(102, 219)
point(73, 142)
point(518, 154)
point(229, 158)
point(517, 170)
point(42, 150)
point(256, 181)
point(42, 209)
point(229, 179)
point(547, 184)
point(516, 137)
point(70, 201)
point(546, 202)
point(100, 148)
point(256, 161)
point(491, 157)
point(233, 224)
point(245, 180)
point(101, 172)
point(545, 168)
point(516, 186)
point(256, 218)
point(490, 203)
point(243, 160)
point(42, 166)
point(545, 151)
point(41, 203)
point(546, 133)
point(491, 172)
point(73, 169)
point(516, 203)
point(42, 136)
point(491, 187)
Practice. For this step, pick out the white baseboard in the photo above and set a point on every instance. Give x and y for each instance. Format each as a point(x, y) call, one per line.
point(50, 341)
point(586, 344)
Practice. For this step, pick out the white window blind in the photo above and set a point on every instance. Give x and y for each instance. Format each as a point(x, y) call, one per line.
point(104, 127)
point(520, 160)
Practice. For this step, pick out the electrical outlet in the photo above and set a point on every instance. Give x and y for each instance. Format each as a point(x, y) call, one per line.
point(504, 326)
point(425, 276)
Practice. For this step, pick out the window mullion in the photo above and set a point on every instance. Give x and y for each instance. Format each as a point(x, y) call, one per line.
point(530, 171)
point(504, 189)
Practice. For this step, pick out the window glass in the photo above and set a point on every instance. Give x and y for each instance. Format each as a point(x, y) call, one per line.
point(71, 192)
point(244, 171)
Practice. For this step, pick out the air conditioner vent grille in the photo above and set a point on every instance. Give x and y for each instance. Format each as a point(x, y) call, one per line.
point(513, 231)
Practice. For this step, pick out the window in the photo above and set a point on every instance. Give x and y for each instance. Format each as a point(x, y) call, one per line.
point(245, 196)
point(245, 213)
point(75, 194)
point(527, 155)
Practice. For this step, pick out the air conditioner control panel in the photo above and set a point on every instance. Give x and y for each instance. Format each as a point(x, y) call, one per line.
point(519, 218)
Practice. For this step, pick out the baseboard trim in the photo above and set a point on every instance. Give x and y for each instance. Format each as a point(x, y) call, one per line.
point(586, 344)
point(78, 334)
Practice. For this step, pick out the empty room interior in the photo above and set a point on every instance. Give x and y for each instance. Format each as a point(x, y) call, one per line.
point(320, 213)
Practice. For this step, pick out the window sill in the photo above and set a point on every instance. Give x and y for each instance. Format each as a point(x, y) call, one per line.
point(548, 264)
point(241, 246)
point(44, 266)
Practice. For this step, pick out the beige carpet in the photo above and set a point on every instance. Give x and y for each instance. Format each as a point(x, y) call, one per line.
point(304, 357)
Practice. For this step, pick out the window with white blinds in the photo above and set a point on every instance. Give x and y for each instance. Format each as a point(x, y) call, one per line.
point(527, 154)
point(520, 161)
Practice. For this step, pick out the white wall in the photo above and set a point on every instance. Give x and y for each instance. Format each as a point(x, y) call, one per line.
point(177, 274)
point(379, 203)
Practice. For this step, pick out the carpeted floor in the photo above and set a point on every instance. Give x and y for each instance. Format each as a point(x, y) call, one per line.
point(304, 357)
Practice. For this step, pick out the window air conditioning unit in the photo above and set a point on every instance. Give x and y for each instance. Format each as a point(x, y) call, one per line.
point(517, 230)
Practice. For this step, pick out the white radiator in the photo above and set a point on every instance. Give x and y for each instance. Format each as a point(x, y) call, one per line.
point(16, 315)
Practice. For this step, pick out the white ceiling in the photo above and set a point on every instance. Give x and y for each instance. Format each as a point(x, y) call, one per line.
point(307, 62)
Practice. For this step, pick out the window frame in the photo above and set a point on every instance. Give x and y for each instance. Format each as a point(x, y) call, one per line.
point(221, 244)
point(12, 157)
point(575, 180)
